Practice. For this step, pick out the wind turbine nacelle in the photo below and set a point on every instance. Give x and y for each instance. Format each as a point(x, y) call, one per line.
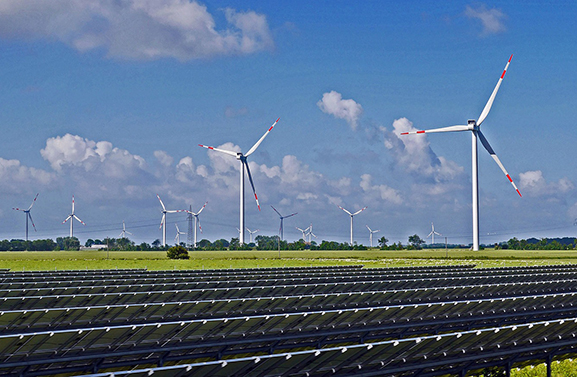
point(472, 122)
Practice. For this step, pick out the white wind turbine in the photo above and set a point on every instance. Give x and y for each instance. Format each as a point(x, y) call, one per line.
point(251, 232)
point(371, 234)
point(71, 217)
point(352, 215)
point(281, 229)
point(433, 234)
point(475, 128)
point(178, 233)
point(304, 232)
point(28, 215)
point(310, 233)
point(196, 221)
point(124, 231)
point(244, 167)
point(163, 220)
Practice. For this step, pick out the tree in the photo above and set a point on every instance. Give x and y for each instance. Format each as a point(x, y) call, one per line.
point(177, 252)
point(416, 241)
point(234, 244)
point(89, 242)
point(383, 242)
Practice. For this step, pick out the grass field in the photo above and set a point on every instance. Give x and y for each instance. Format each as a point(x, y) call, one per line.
point(65, 260)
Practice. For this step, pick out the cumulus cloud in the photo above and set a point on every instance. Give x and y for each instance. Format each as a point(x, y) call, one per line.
point(533, 184)
point(382, 192)
point(137, 30)
point(414, 154)
point(333, 103)
point(17, 178)
point(491, 19)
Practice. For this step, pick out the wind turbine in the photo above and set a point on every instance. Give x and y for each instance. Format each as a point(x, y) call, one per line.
point(475, 128)
point(304, 232)
point(433, 234)
point(28, 215)
point(371, 234)
point(124, 231)
point(244, 167)
point(352, 215)
point(178, 233)
point(251, 232)
point(280, 230)
point(310, 233)
point(196, 220)
point(163, 220)
point(71, 217)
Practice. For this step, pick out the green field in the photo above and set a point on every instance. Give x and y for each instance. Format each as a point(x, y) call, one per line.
point(157, 260)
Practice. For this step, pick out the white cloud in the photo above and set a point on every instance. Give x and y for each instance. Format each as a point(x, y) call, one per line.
point(164, 158)
point(16, 178)
point(413, 154)
point(491, 19)
point(333, 103)
point(382, 192)
point(138, 30)
point(533, 183)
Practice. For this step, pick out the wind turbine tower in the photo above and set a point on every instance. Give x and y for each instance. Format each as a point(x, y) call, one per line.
point(72, 217)
point(371, 234)
point(244, 168)
point(475, 127)
point(310, 233)
point(196, 221)
point(352, 215)
point(433, 234)
point(163, 220)
point(281, 230)
point(28, 215)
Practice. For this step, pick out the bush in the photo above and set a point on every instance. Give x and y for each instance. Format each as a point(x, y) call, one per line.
point(177, 252)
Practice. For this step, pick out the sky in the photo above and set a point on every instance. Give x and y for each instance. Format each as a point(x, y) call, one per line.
point(107, 101)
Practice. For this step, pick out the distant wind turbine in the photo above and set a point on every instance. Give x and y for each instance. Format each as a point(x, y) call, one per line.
point(244, 167)
point(371, 234)
point(71, 217)
point(310, 233)
point(475, 128)
point(251, 232)
point(352, 215)
point(178, 233)
point(280, 230)
point(196, 220)
point(124, 231)
point(163, 220)
point(304, 232)
point(433, 234)
point(28, 215)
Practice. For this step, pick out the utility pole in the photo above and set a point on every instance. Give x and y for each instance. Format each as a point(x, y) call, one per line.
point(189, 240)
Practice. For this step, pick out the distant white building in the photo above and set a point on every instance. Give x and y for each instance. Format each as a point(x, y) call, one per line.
point(94, 247)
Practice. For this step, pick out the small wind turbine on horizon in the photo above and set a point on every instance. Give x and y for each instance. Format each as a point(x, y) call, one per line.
point(433, 234)
point(475, 128)
point(196, 220)
point(71, 217)
point(352, 215)
point(281, 229)
point(310, 233)
point(28, 215)
point(178, 233)
point(124, 231)
point(251, 232)
point(163, 220)
point(244, 168)
point(304, 232)
point(371, 234)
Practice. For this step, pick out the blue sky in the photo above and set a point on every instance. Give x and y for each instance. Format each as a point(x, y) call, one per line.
point(108, 100)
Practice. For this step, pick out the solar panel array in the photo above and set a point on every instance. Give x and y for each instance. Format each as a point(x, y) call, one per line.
point(313, 321)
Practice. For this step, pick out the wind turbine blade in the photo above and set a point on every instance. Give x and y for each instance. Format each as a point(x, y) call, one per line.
point(77, 218)
point(254, 147)
point(359, 211)
point(291, 215)
point(199, 227)
point(345, 210)
point(68, 218)
point(442, 129)
point(487, 108)
point(34, 201)
point(430, 234)
point(487, 146)
point(368, 228)
point(161, 203)
point(234, 154)
point(32, 221)
point(200, 210)
point(72, 203)
point(176, 210)
point(276, 211)
point(162, 220)
point(251, 183)
point(17, 209)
